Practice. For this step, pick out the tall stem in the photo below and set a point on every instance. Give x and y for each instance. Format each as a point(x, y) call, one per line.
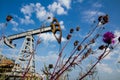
point(100, 58)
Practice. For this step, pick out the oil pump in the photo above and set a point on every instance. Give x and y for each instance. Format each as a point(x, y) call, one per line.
point(28, 45)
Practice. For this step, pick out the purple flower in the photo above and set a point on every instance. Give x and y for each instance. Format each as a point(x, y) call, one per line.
point(108, 38)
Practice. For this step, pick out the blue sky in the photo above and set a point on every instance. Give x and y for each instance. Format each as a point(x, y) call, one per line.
point(31, 14)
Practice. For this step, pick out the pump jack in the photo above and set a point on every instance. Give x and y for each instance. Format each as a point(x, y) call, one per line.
point(28, 45)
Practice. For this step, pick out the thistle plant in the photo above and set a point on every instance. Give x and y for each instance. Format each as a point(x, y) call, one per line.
point(82, 50)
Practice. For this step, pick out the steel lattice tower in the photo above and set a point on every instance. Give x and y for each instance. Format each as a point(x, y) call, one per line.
point(26, 58)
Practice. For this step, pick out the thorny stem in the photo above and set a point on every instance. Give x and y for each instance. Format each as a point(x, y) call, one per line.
point(89, 70)
point(60, 54)
point(68, 65)
point(110, 50)
point(73, 59)
point(72, 53)
point(100, 58)
point(89, 34)
point(63, 65)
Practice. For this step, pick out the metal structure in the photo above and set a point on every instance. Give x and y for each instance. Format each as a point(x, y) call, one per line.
point(26, 55)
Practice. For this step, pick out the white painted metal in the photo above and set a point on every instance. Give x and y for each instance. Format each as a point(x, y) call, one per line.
point(24, 57)
point(9, 39)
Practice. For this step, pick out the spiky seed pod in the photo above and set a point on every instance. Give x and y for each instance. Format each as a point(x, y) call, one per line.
point(79, 47)
point(119, 39)
point(76, 43)
point(100, 18)
point(103, 19)
point(50, 66)
point(69, 36)
point(101, 47)
point(49, 17)
point(8, 18)
point(89, 50)
point(78, 28)
point(87, 53)
point(71, 31)
point(83, 57)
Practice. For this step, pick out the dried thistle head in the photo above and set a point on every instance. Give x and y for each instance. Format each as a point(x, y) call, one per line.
point(76, 43)
point(79, 47)
point(50, 66)
point(92, 41)
point(77, 28)
point(49, 17)
point(69, 36)
point(101, 47)
point(87, 53)
point(89, 50)
point(71, 30)
point(8, 18)
point(103, 19)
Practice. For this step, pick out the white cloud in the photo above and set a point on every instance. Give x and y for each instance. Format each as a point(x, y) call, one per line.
point(57, 8)
point(53, 7)
point(45, 60)
point(41, 13)
point(117, 50)
point(37, 9)
point(104, 68)
point(51, 57)
point(65, 3)
point(14, 23)
point(97, 5)
point(18, 29)
point(110, 55)
point(28, 9)
point(63, 39)
point(49, 37)
point(80, 1)
point(117, 35)
point(26, 20)
point(91, 15)
point(62, 25)
point(2, 25)
point(15, 29)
